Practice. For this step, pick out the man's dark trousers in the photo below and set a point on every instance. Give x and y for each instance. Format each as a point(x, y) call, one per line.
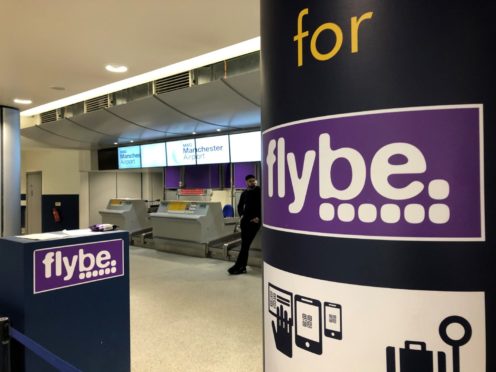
point(248, 232)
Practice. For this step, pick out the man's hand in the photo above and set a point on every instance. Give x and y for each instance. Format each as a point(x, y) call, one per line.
point(255, 220)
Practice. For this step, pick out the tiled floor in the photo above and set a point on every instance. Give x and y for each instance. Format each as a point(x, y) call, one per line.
point(188, 314)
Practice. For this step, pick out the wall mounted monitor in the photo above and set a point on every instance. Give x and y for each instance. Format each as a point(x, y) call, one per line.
point(246, 147)
point(212, 150)
point(129, 157)
point(107, 159)
point(153, 155)
point(181, 152)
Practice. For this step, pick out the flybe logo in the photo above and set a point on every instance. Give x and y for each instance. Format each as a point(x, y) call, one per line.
point(60, 267)
point(405, 174)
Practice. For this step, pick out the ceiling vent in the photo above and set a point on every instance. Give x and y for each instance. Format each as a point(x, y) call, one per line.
point(171, 83)
point(73, 110)
point(97, 103)
point(47, 117)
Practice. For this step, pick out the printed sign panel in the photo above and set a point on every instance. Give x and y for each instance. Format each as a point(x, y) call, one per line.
point(212, 150)
point(181, 152)
point(402, 174)
point(153, 155)
point(129, 157)
point(342, 327)
point(67, 266)
point(245, 147)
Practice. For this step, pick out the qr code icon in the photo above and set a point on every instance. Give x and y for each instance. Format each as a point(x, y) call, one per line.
point(332, 318)
point(307, 321)
point(272, 299)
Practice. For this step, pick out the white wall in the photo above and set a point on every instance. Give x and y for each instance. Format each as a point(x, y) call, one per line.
point(63, 172)
point(60, 169)
point(222, 196)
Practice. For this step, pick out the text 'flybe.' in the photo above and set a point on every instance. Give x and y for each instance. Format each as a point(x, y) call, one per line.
point(407, 173)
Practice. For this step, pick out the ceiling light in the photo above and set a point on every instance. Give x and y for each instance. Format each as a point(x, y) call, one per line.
point(218, 129)
point(193, 133)
point(232, 51)
point(116, 68)
point(115, 143)
point(23, 101)
point(131, 141)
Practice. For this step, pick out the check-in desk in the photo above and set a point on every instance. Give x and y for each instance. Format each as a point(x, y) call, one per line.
point(188, 227)
point(69, 292)
point(128, 214)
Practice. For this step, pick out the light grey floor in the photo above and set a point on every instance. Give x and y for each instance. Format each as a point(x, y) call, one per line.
point(188, 314)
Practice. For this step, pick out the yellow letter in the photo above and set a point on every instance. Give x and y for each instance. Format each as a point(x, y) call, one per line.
point(354, 30)
point(300, 35)
point(339, 41)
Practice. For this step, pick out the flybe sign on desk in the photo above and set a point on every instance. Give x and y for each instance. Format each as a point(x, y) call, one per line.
point(402, 174)
point(67, 266)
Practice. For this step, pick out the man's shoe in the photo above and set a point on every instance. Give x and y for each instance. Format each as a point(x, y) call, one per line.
point(237, 271)
point(232, 269)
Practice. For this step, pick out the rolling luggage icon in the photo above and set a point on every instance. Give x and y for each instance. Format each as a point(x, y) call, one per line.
point(416, 358)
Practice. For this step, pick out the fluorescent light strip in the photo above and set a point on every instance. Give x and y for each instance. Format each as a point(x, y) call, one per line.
point(116, 69)
point(23, 101)
point(232, 51)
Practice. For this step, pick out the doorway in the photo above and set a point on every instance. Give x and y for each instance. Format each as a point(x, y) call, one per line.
point(33, 202)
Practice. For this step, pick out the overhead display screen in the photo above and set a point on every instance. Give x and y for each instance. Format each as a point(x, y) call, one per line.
point(129, 157)
point(246, 147)
point(212, 150)
point(153, 155)
point(181, 152)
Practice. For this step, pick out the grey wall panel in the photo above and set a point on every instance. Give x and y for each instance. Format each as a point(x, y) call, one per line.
point(128, 185)
point(248, 85)
point(38, 134)
point(105, 122)
point(214, 103)
point(152, 113)
point(68, 129)
point(102, 188)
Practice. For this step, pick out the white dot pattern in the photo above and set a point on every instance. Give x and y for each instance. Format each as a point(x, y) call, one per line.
point(439, 213)
point(326, 212)
point(367, 213)
point(439, 189)
point(414, 213)
point(390, 213)
point(346, 212)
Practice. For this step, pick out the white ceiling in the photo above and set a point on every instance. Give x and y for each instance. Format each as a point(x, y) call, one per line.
point(67, 43)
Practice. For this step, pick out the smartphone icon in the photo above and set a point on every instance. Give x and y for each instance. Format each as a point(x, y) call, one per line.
point(308, 314)
point(333, 323)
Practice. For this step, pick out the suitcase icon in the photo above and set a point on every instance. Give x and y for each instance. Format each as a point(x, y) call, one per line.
point(414, 358)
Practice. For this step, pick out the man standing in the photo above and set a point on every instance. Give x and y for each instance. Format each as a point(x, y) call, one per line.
point(250, 211)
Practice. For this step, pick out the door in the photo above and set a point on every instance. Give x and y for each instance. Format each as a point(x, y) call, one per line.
point(33, 202)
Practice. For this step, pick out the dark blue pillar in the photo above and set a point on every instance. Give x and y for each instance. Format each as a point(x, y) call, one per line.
point(378, 120)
